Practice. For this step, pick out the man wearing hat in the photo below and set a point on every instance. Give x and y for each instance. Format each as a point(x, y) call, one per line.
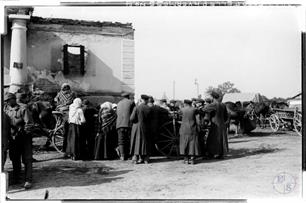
point(189, 140)
point(141, 136)
point(20, 140)
point(172, 105)
point(193, 102)
point(217, 143)
point(5, 134)
point(163, 104)
point(199, 103)
point(123, 124)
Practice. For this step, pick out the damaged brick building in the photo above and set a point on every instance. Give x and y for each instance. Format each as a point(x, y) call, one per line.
point(95, 58)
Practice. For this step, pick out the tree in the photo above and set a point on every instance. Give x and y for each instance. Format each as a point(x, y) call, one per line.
point(222, 89)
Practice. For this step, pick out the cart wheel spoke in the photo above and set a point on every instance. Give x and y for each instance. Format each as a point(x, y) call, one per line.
point(168, 139)
point(171, 138)
point(166, 145)
point(169, 133)
point(161, 141)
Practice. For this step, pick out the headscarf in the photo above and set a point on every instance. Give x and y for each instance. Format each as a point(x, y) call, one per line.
point(106, 105)
point(73, 111)
point(77, 103)
point(64, 97)
point(107, 116)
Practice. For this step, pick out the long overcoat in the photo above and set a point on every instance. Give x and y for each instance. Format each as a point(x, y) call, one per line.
point(217, 142)
point(189, 136)
point(141, 135)
point(124, 110)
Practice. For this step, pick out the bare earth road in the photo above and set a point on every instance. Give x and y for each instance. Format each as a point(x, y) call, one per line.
point(260, 165)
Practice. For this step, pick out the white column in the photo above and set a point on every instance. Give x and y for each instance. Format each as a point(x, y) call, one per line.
point(18, 59)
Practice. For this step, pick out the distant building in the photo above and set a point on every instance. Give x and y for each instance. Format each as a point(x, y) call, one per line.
point(296, 102)
point(242, 97)
point(93, 57)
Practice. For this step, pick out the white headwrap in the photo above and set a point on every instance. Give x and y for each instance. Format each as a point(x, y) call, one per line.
point(106, 105)
point(75, 112)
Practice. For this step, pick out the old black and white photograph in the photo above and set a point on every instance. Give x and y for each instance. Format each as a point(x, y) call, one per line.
point(152, 101)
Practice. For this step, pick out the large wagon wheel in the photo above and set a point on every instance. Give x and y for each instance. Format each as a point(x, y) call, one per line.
point(168, 140)
point(58, 132)
point(297, 123)
point(274, 122)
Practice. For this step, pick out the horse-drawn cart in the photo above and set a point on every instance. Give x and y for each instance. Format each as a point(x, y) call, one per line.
point(167, 142)
point(55, 136)
point(286, 118)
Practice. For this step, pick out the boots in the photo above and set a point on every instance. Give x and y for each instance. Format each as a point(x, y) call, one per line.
point(192, 160)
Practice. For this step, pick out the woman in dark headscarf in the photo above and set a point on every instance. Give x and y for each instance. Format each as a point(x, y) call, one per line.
point(106, 143)
point(64, 98)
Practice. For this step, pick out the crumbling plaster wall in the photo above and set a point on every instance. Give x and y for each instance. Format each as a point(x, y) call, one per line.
point(103, 66)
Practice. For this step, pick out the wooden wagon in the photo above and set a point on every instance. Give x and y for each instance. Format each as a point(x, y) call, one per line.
point(286, 118)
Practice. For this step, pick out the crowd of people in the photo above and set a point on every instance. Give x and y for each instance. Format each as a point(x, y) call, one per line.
point(126, 130)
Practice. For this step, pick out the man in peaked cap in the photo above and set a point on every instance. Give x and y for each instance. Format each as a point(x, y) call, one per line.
point(187, 101)
point(125, 94)
point(20, 140)
point(144, 97)
point(189, 142)
point(123, 124)
point(216, 95)
point(193, 102)
point(163, 104)
point(151, 101)
point(172, 105)
point(141, 136)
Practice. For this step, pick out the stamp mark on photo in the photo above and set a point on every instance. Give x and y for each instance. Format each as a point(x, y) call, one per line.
point(284, 183)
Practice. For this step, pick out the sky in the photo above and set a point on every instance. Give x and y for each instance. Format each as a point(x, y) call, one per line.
point(256, 48)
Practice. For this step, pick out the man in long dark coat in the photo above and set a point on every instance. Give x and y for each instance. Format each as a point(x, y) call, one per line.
point(217, 143)
point(141, 135)
point(123, 124)
point(6, 133)
point(20, 140)
point(189, 138)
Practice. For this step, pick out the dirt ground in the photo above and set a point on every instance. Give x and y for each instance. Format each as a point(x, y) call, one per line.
point(254, 168)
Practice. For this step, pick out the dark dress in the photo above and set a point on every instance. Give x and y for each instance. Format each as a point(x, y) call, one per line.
point(74, 143)
point(106, 140)
point(89, 128)
point(189, 139)
point(217, 142)
point(141, 135)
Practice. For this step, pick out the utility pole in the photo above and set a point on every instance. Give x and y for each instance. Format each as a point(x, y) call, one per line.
point(173, 96)
point(197, 86)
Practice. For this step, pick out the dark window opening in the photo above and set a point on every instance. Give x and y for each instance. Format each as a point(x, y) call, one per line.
point(74, 59)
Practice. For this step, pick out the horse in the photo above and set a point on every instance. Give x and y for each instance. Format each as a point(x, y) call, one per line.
point(260, 111)
point(42, 113)
point(236, 114)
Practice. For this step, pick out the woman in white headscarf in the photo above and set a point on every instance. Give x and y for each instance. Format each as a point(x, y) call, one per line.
point(74, 138)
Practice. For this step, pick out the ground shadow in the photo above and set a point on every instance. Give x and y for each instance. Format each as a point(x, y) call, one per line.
point(263, 134)
point(161, 159)
point(243, 152)
point(68, 173)
point(238, 141)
